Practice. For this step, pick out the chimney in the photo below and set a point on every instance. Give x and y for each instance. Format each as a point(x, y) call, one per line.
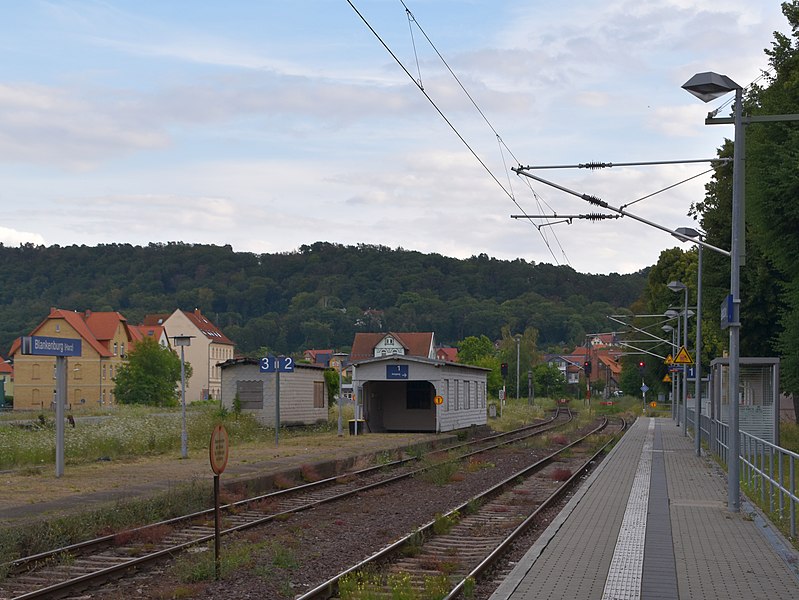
point(87, 314)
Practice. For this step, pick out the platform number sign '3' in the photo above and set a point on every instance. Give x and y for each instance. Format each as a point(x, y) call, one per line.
point(283, 364)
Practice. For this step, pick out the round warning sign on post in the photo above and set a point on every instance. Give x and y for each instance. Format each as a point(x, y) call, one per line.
point(218, 449)
point(439, 399)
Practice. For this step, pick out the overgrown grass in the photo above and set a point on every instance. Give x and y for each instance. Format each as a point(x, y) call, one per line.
point(129, 431)
point(44, 534)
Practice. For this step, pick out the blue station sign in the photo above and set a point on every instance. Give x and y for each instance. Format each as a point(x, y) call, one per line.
point(396, 371)
point(47, 346)
point(279, 364)
point(50, 346)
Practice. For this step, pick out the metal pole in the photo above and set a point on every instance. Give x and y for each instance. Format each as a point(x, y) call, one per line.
point(676, 375)
point(518, 342)
point(184, 436)
point(340, 371)
point(277, 405)
point(217, 518)
point(530, 396)
point(685, 368)
point(698, 356)
point(733, 483)
point(60, 401)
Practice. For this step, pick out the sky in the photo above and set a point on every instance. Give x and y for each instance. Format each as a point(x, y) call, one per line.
point(270, 124)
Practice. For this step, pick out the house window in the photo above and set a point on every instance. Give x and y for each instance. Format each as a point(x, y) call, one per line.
point(251, 394)
point(111, 371)
point(417, 395)
point(103, 371)
point(115, 348)
point(35, 374)
point(318, 394)
point(389, 341)
point(122, 349)
point(77, 371)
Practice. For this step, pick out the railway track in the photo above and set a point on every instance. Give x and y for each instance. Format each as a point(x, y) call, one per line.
point(445, 558)
point(64, 571)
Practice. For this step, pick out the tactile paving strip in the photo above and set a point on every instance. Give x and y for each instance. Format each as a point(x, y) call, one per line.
point(626, 566)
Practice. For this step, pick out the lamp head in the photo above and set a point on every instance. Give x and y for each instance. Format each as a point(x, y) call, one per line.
point(708, 86)
point(676, 286)
point(687, 232)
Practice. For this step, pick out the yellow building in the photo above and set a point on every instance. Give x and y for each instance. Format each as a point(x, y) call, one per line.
point(208, 349)
point(105, 340)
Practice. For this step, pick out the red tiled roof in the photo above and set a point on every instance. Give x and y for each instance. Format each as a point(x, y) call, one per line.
point(140, 332)
point(207, 328)
point(415, 344)
point(5, 367)
point(154, 319)
point(448, 354)
point(80, 322)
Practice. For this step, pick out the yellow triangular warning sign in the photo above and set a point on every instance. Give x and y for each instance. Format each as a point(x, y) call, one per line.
point(683, 358)
point(666, 378)
point(669, 360)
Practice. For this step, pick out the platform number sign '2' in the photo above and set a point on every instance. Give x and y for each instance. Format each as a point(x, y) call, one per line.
point(282, 364)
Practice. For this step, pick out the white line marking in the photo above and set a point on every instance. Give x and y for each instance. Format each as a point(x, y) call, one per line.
point(627, 564)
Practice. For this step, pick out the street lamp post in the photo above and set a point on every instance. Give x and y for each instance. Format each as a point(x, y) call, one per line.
point(340, 356)
point(679, 286)
point(673, 314)
point(709, 86)
point(182, 341)
point(670, 329)
point(693, 233)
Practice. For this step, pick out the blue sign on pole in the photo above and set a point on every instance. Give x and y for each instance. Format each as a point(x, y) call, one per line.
point(272, 364)
point(726, 312)
point(396, 371)
point(50, 346)
point(645, 388)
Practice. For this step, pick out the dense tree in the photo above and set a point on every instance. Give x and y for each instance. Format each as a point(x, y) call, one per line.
point(548, 380)
point(150, 375)
point(321, 294)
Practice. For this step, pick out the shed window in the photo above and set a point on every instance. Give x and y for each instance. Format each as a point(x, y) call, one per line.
point(318, 394)
point(418, 395)
point(251, 394)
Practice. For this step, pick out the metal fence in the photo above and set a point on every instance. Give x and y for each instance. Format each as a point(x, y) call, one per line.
point(767, 469)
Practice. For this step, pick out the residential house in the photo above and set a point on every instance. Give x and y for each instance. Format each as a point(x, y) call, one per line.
point(155, 332)
point(105, 339)
point(375, 345)
point(319, 357)
point(209, 348)
point(447, 354)
point(6, 381)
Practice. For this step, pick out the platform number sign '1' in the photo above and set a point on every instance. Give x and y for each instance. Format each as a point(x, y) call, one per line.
point(282, 364)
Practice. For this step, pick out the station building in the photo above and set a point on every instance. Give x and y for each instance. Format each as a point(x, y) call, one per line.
point(418, 394)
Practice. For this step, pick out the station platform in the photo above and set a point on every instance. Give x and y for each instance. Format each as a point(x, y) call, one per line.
point(651, 522)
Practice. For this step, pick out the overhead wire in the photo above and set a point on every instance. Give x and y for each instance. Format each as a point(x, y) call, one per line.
point(412, 19)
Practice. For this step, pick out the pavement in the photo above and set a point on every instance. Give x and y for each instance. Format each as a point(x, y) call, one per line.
point(652, 523)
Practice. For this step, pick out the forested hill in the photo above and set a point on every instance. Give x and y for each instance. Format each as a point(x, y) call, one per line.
point(318, 296)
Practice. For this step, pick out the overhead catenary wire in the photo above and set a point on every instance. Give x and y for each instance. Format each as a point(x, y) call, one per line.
point(412, 19)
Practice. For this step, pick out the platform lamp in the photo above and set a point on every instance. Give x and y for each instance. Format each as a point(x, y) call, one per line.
point(673, 314)
point(182, 341)
point(679, 286)
point(693, 233)
point(340, 356)
point(708, 86)
point(670, 329)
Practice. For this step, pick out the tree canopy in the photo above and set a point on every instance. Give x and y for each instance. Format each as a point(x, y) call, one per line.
point(150, 375)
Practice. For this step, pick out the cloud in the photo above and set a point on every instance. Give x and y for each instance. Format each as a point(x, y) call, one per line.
point(12, 237)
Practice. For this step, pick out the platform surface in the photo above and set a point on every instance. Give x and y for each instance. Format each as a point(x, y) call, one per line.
point(652, 523)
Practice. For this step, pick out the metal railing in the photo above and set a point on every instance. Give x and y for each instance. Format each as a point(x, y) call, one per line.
point(767, 470)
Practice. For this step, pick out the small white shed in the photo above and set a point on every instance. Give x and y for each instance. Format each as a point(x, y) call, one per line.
point(303, 394)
